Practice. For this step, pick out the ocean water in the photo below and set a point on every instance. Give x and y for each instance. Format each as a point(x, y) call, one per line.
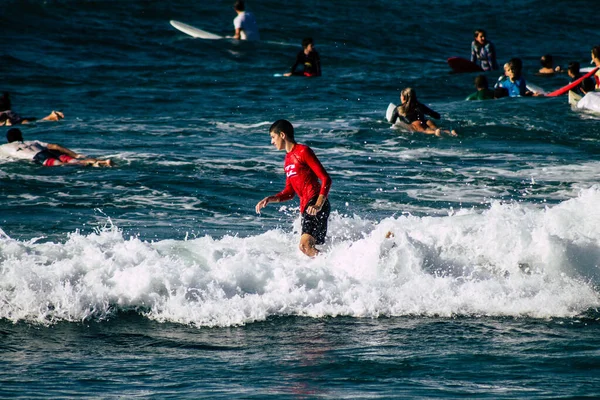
point(156, 278)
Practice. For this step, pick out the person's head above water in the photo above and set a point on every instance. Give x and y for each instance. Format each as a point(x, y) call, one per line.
point(480, 36)
point(14, 135)
point(481, 82)
point(283, 126)
point(239, 5)
point(307, 41)
point(547, 61)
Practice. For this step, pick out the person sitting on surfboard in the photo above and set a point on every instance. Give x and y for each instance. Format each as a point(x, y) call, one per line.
point(574, 73)
point(483, 52)
point(411, 112)
point(245, 24)
point(515, 84)
point(308, 57)
point(591, 98)
point(46, 154)
point(483, 91)
point(548, 68)
point(9, 117)
point(303, 171)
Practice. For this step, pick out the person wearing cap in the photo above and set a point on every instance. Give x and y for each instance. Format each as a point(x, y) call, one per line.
point(46, 154)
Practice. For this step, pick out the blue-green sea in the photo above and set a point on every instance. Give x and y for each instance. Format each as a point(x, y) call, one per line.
point(157, 279)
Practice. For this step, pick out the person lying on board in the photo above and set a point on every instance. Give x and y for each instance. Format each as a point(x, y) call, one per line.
point(303, 171)
point(8, 117)
point(308, 57)
point(515, 84)
point(483, 91)
point(483, 52)
point(244, 24)
point(411, 112)
point(548, 68)
point(46, 154)
point(596, 61)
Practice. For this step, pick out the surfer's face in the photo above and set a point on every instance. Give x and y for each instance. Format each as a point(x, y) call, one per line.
point(277, 140)
point(480, 38)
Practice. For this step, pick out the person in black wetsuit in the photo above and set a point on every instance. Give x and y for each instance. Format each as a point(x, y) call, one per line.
point(308, 57)
point(411, 112)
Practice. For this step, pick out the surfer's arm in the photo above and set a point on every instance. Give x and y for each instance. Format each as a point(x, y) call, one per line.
point(237, 34)
point(473, 52)
point(315, 165)
point(64, 150)
point(428, 111)
point(286, 194)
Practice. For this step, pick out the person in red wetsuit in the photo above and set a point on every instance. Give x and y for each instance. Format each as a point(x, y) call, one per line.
point(303, 172)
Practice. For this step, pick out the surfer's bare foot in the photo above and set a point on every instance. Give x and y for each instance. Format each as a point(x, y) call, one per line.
point(438, 132)
point(54, 116)
point(453, 133)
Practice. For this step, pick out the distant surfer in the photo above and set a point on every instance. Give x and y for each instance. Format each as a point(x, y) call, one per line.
point(8, 117)
point(244, 24)
point(515, 83)
point(483, 91)
point(412, 112)
point(308, 58)
point(46, 154)
point(547, 62)
point(483, 52)
point(303, 171)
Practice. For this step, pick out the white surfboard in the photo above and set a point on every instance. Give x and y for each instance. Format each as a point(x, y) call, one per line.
point(574, 98)
point(585, 70)
point(194, 32)
point(389, 112)
point(535, 88)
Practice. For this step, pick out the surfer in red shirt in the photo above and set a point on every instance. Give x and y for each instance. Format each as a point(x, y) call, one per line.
point(303, 172)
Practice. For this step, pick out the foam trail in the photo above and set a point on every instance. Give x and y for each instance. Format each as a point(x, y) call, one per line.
point(510, 260)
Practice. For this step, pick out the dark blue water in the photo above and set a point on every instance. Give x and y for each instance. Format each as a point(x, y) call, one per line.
point(157, 279)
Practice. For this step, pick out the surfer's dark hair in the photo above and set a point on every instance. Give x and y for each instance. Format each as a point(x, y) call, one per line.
point(307, 41)
point(574, 67)
point(481, 82)
point(588, 85)
point(5, 102)
point(240, 5)
point(478, 31)
point(14, 135)
point(547, 61)
point(285, 126)
point(596, 52)
point(516, 66)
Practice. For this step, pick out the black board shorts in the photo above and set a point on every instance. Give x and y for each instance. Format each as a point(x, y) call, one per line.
point(316, 225)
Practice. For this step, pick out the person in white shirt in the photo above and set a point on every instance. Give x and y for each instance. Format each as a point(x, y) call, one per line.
point(46, 154)
point(245, 24)
point(591, 100)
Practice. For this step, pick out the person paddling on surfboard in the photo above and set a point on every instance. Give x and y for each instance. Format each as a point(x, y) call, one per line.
point(303, 171)
point(411, 112)
point(46, 154)
point(8, 117)
point(244, 24)
point(308, 57)
point(483, 52)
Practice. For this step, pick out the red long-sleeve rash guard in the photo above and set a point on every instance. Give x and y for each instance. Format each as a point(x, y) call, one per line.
point(303, 172)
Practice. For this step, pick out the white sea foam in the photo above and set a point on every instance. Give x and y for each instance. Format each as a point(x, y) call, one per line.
point(509, 260)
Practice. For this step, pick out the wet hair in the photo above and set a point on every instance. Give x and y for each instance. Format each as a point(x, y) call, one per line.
point(596, 52)
point(307, 41)
point(478, 31)
point(283, 126)
point(14, 135)
point(500, 92)
point(547, 61)
point(410, 101)
point(481, 82)
point(588, 85)
point(574, 67)
point(239, 5)
point(5, 102)
point(516, 65)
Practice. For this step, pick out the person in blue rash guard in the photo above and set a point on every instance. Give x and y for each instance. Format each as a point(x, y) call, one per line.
point(515, 83)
